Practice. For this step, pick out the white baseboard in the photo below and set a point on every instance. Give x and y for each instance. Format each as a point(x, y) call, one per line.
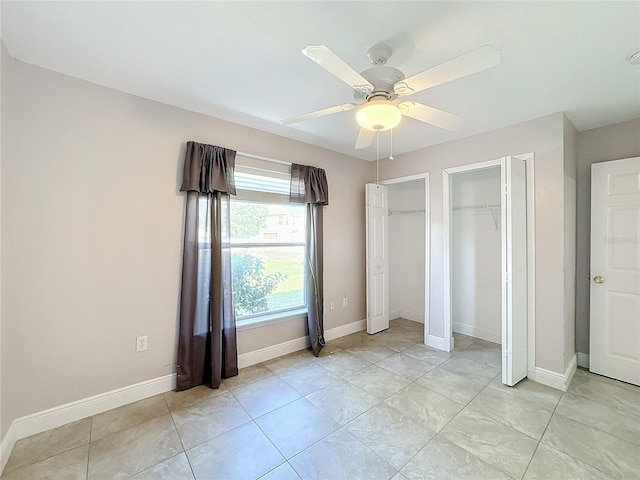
point(555, 380)
point(344, 330)
point(407, 315)
point(436, 342)
point(477, 332)
point(583, 360)
point(70, 412)
point(273, 351)
point(6, 446)
point(413, 316)
point(284, 348)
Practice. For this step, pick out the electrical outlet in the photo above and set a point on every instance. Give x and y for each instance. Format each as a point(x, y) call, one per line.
point(345, 302)
point(141, 343)
point(332, 305)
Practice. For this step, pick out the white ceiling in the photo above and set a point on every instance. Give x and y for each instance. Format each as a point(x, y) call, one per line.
point(241, 61)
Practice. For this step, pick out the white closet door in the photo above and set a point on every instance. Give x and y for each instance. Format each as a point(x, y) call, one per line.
point(514, 271)
point(377, 258)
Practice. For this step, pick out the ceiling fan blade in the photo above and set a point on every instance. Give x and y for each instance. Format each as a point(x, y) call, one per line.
point(326, 58)
point(320, 113)
point(431, 115)
point(466, 64)
point(365, 138)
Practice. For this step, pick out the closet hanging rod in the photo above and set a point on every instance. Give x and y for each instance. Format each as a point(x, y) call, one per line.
point(476, 207)
point(400, 212)
point(265, 159)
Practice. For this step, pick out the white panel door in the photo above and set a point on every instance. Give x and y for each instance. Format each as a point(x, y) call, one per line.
point(377, 258)
point(615, 270)
point(514, 270)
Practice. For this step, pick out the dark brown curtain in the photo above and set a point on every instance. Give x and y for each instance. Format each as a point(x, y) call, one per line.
point(207, 350)
point(309, 185)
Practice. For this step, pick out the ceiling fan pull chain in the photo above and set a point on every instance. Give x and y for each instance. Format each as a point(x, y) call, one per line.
point(377, 157)
point(391, 145)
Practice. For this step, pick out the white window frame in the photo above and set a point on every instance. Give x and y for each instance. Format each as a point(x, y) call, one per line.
point(246, 195)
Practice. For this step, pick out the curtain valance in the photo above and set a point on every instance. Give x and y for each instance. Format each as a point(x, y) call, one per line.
point(208, 169)
point(308, 185)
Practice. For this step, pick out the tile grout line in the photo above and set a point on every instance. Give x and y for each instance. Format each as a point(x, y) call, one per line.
point(598, 429)
point(286, 460)
point(542, 436)
point(450, 420)
point(578, 460)
point(380, 401)
point(622, 411)
point(428, 442)
point(52, 455)
point(456, 415)
point(398, 470)
point(488, 385)
point(590, 399)
point(89, 449)
point(184, 450)
point(461, 410)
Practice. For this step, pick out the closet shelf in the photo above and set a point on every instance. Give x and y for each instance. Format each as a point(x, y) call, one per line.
point(490, 208)
point(476, 207)
point(405, 212)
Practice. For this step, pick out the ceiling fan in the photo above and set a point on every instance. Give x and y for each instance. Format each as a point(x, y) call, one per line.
point(377, 91)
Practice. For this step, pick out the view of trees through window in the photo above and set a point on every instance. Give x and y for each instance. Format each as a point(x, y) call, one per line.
point(267, 256)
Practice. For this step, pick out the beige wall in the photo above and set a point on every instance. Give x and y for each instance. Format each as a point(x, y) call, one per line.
point(544, 137)
point(613, 142)
point(4, 58)
point(570, 178)
point(92, 235)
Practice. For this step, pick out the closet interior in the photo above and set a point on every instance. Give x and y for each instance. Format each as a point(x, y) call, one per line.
point(407, 250)
point(476, 254)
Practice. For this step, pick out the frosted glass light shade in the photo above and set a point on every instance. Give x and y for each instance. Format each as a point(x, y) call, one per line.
point(378, 115)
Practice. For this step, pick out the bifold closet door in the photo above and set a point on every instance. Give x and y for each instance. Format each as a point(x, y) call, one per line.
point(377, 215)
point(514, 270)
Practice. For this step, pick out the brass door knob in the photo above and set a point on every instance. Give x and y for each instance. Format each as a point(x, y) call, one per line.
point(598, 279)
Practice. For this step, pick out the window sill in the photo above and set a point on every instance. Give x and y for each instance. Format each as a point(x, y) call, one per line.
point(264, 320)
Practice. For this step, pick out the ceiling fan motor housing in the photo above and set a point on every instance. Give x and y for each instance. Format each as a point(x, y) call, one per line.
point(379, 54)
point(383, 79)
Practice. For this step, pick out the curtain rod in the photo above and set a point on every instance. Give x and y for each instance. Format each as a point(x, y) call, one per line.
point(266, 159)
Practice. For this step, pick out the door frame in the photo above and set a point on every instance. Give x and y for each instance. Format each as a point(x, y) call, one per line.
point(447, 173)
point(427, 241)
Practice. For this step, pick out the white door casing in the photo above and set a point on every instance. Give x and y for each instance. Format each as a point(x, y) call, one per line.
point(377, 252)
point(615, 270)
point(514, 270)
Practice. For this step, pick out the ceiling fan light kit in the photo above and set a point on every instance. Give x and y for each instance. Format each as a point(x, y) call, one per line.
point(378, 114)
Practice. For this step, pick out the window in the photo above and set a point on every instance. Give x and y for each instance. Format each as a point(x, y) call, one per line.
point(267, 245)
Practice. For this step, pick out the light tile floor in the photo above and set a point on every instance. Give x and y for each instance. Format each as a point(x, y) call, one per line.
point(371, 407)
